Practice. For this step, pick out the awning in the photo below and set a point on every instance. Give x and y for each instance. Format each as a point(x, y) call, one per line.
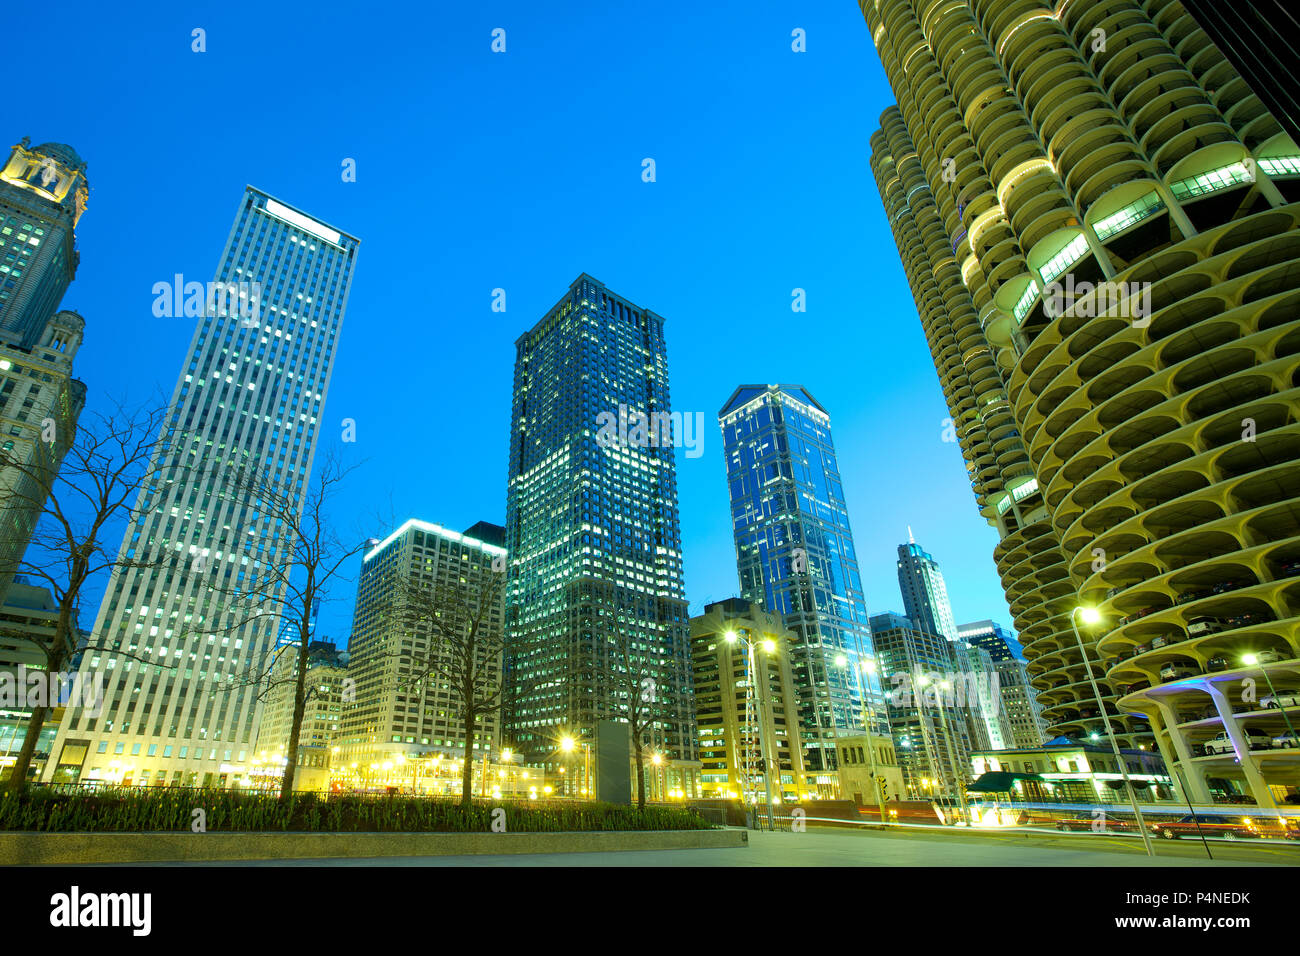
point(1000, 781)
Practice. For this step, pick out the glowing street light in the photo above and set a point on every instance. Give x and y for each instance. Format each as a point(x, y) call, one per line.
point(842, 660)
point(1090, 615)
point(1252, 660)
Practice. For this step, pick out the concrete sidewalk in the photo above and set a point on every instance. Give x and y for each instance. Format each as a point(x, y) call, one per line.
point(842, 848)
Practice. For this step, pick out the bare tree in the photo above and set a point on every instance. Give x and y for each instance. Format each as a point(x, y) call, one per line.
point(104, 480)
point(463, 615)
point(638, 677)
point(302, 558)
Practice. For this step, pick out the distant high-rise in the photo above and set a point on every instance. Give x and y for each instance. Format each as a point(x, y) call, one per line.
point(397, 714)
point(1019, 702)
point(740, 729)
point(595, 562)
point(1099, 221)
point(930, 728)
point(1000, 643)
point(925, 596)
point(250, 394)
point(43, 193)
point(794, 551)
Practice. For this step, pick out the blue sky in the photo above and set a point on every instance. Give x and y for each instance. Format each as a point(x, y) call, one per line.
point(520, 170)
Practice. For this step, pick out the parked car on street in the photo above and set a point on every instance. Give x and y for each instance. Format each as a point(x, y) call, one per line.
point(1105, 822)
point(1193, 825)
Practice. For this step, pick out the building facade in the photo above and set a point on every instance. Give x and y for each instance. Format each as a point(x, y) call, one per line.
point(327, 683)
point(1077, 772)
point(29, 617)
point(595, 572)
point(856, 767)
point(249, 396)
point(43, 192)
point(930, 724)
point(1255, 38)
point(926, 605)
point(1019, 699)
point(747, 719)
point(403, 706)
point(795, 554)
point(1101, 239)
point(925, 595)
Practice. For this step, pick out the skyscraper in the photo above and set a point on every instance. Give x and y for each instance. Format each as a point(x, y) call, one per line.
point(1019, 701)
point(794, 551)
point(925, 595)
point(595, 562)
point(925, 602)
point(930, 725)
point(397, 713)
point(43, 193)
point(250, 395)
point(1098, 223)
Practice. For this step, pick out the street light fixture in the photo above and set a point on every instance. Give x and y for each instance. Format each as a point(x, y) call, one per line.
point(768, 645)
point(957, 774)
point(568, 745)
point(1091, 615)
point(1251, 660)
point(870, 667)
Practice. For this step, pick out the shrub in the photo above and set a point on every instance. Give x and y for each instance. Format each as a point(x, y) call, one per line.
point(161, 809)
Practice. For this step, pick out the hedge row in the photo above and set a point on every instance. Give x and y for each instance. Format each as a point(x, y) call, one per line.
point(164, 809)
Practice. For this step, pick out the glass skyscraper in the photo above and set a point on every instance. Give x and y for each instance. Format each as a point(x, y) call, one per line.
point(251, 394)
point(595, 563)
point(925, 596)
point(794, 550)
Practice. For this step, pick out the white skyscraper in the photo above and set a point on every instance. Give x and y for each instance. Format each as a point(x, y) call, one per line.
point(250, 395)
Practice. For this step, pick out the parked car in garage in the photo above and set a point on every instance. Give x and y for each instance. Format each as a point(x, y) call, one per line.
point(1177, 670)
point(1222, 744)
point(1268, 656)
point(1200, 626)
point(1278, 701)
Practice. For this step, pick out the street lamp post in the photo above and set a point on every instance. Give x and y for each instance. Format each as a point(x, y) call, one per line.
point(958, 783)
point(1251, 660)
point(1092, 616)
point(568, 745)
point(868, 666)
point(768, 646)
